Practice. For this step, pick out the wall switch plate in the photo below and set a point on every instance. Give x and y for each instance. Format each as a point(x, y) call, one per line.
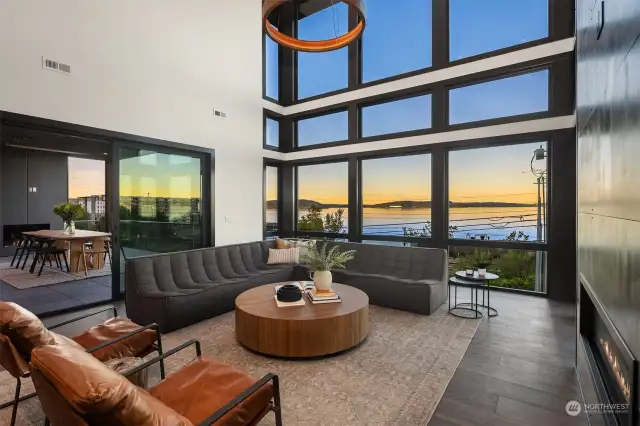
point(227, 219)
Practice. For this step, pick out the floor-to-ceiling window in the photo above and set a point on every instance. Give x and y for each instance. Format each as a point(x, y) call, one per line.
point(322, 198)
point(271, 201)
point(320, 73)
point(436, 129)
point(396, 199)
point(397, 39)
point(500, 194)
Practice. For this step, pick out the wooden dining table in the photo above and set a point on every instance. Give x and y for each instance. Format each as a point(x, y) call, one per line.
point(77, 240)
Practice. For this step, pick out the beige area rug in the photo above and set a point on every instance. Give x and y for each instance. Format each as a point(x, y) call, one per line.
point(396, 377)
point(23, 279)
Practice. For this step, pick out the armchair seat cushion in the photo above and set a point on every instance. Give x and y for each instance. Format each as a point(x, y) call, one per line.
point(204, 386)
point(138, 345)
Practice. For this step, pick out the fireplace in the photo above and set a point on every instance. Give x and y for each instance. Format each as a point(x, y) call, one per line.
point(12, 234)
point(613, 367)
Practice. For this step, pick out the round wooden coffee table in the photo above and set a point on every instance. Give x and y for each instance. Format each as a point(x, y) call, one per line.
point(301, 331)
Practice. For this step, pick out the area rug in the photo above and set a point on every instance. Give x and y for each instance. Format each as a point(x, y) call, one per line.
point(23, 279)
point(396, 377)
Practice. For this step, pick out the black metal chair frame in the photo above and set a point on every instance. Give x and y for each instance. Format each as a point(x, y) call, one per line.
point(275, 404)
point(157, 347)
point(46, 249)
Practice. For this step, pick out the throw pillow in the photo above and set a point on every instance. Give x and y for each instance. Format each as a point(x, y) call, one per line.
point(282, 244)
point(283, 256)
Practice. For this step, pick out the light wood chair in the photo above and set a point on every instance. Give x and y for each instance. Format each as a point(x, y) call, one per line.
point(99, 247)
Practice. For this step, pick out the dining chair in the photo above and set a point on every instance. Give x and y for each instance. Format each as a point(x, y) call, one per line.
point(48, 249)
point(99, 247)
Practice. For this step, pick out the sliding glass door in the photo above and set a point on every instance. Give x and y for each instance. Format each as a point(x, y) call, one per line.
point(160, 203)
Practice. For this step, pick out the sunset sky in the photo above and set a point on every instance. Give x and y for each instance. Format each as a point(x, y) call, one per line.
point(153, 175)
point(500, 174)
point(86, 177)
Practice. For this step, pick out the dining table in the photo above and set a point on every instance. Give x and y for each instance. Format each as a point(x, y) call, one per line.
point(77, 240)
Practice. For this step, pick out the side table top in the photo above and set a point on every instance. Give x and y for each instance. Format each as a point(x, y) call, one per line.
point(259, 302)
point(475, 277)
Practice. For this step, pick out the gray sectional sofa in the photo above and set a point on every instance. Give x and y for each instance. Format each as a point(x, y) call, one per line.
point(178, 289)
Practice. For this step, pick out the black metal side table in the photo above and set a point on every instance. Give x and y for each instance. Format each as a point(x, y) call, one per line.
point(485, 282)
point(465, 310)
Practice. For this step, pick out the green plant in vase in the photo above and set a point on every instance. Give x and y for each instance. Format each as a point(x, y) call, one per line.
point(322, 259)
point(68, 213)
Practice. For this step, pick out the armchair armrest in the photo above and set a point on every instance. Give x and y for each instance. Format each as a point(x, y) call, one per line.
point(246, 394)
point(109, 308)
point(164, 355)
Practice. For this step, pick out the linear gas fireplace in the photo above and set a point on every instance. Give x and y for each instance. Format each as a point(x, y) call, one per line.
point(13, 233)
point(613, 367)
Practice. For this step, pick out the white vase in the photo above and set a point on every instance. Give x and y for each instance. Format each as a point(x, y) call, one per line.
point(482, 272)
point(322, 280)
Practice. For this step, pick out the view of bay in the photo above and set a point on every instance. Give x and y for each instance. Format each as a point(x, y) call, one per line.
point(496, 223)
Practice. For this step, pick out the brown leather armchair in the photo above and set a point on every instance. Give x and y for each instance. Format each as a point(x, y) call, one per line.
point(21, 331)
point(204, 392)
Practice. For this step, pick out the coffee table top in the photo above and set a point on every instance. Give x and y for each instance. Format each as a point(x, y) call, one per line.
point(259, 302)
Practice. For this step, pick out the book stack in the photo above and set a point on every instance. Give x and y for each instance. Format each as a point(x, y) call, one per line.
point(321, 297)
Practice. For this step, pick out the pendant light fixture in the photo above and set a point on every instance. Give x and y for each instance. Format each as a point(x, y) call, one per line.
point(269, 6)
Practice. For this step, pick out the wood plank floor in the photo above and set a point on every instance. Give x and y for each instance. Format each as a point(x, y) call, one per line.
point(518, 369)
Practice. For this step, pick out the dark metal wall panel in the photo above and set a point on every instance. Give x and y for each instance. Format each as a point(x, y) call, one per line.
point(48, 173)
point(561, 257)
point(14, 186)
point(608, 151)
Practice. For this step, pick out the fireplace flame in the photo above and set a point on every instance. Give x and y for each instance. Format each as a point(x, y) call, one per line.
point(613, 363)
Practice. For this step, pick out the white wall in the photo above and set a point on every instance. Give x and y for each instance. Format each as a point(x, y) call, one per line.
point(155, 68)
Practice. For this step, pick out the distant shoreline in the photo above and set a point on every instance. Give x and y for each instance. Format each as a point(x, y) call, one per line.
point(402, 205)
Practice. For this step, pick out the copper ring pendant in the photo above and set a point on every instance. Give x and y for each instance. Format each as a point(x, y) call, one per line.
point(269, 6)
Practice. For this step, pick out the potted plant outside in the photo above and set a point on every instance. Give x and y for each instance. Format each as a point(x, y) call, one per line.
point(482, 260)
point(322, 259)
point(68, 213)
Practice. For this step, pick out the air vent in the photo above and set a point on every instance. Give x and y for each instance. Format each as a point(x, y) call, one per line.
point(52, 65)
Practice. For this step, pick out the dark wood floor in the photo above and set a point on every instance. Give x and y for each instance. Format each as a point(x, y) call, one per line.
point(518, 369)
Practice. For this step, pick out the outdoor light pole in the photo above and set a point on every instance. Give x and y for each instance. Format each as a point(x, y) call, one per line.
point(539, 154)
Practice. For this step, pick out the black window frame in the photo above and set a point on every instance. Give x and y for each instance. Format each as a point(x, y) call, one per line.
point(296, 135)
point(268, 162)
point(269, 115)
point(561, 26)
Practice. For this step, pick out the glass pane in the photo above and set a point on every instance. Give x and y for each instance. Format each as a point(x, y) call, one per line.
point(506, 97)
point(160, 202)
point(517, 269)
point(323, 129)
point(499, 193)
point(271, 68)
point(87, 188)
point(397, 116)
point(479, 27)
point(273, 132)
point(323, 197)
point(396, 196)
point(397, 38)
point(325, 72)
point(271, 198)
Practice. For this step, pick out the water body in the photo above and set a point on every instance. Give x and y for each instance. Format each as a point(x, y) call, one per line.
point(495, 223)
